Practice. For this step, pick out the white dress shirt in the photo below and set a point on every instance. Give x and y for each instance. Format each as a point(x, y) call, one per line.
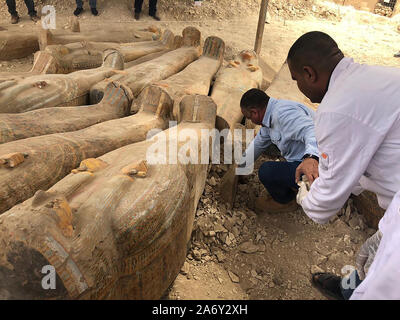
point(357, 128)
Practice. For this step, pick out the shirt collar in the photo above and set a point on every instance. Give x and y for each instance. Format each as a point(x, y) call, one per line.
point(268, 113)
point(340, 67)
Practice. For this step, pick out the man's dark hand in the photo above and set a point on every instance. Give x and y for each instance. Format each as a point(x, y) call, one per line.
point(309, 167)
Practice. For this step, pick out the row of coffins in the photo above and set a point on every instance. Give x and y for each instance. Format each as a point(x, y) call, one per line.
point(77, 191)
point(16, 43)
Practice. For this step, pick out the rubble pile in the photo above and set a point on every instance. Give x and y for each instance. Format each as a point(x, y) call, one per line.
point(383, 10)
point(207, 10)
point(299, 9)
point(251, 251)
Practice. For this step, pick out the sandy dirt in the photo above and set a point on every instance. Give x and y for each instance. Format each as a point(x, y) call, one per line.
point(236, 254)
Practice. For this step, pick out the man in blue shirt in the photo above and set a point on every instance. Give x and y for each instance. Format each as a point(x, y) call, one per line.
point(289, 125)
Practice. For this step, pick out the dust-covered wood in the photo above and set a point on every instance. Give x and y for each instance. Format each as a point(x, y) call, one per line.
point(196, 77)
point(139, 76)
point(260, 26)
point(49, 158)
point(15, 44)
point(367, 205)
point(56, 90)
point(284, 87)
point(87, 55)
point(43, 63)
point(240, 75)
point(116, 231)
point(124, 34)
point(178, 42)
point(115, 104)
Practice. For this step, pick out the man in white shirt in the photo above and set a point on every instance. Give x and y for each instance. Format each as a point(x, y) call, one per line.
point(357, 127)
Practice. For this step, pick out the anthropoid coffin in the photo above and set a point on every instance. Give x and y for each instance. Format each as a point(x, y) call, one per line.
point(117, 232)
point(37, 163)
point(125, 34)
point(196, 78)
point(116, 103)
point(43, 64)
point(56, 90)
point(87, 55)
point(16, 43)
point(142, 75)
point(240, 75)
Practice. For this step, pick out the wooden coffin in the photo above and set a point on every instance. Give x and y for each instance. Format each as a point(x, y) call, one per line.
point(116, 103)
point(196, 77)
point(119, 232)
point(241, 75)
point(87, 55)
point(43, 64)
point(367, 205)
point(56, 90)
point(142, 75)
point(284, 87)
point(178, 42)
point(124, 34)
point(38, 163)
point(16, 43)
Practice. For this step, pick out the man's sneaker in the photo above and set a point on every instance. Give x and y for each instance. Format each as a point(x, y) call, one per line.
point(35, 18)
point(155, 17)
point(78, 11)
point(328, 284)
point(137, 16)
point(94, 11)
point(14, 19)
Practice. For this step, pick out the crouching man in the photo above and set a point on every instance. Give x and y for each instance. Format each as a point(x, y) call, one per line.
point(289, 125)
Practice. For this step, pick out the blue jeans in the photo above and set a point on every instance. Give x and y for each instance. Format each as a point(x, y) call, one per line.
point(152, 7)
point(279, 179)
point(13, 11)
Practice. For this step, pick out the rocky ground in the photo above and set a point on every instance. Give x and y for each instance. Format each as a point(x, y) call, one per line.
point(235, 253)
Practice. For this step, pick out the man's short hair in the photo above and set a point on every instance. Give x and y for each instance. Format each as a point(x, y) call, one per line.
point(254, 98)
point(313, 48)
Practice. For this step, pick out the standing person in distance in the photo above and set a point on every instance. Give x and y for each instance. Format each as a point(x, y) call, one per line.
point(79, 7)
point(152, 9)
point(12, 9)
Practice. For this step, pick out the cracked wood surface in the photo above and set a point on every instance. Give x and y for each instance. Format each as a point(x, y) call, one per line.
point(240, 75)
point(142, 75)
point(87, 55)
point(56, 90)
point(196, 77)
point(109, 232)
point(115, 104)
point(49, 158)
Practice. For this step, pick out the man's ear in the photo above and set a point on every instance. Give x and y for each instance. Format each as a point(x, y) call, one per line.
point(253, 111)
point(310, 74)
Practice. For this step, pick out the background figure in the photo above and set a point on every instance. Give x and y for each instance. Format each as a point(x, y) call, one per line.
point(14, 14)
point(152, 9)
point(79, 7)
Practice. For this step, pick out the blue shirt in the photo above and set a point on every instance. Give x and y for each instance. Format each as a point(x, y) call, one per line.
point(290, 126)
